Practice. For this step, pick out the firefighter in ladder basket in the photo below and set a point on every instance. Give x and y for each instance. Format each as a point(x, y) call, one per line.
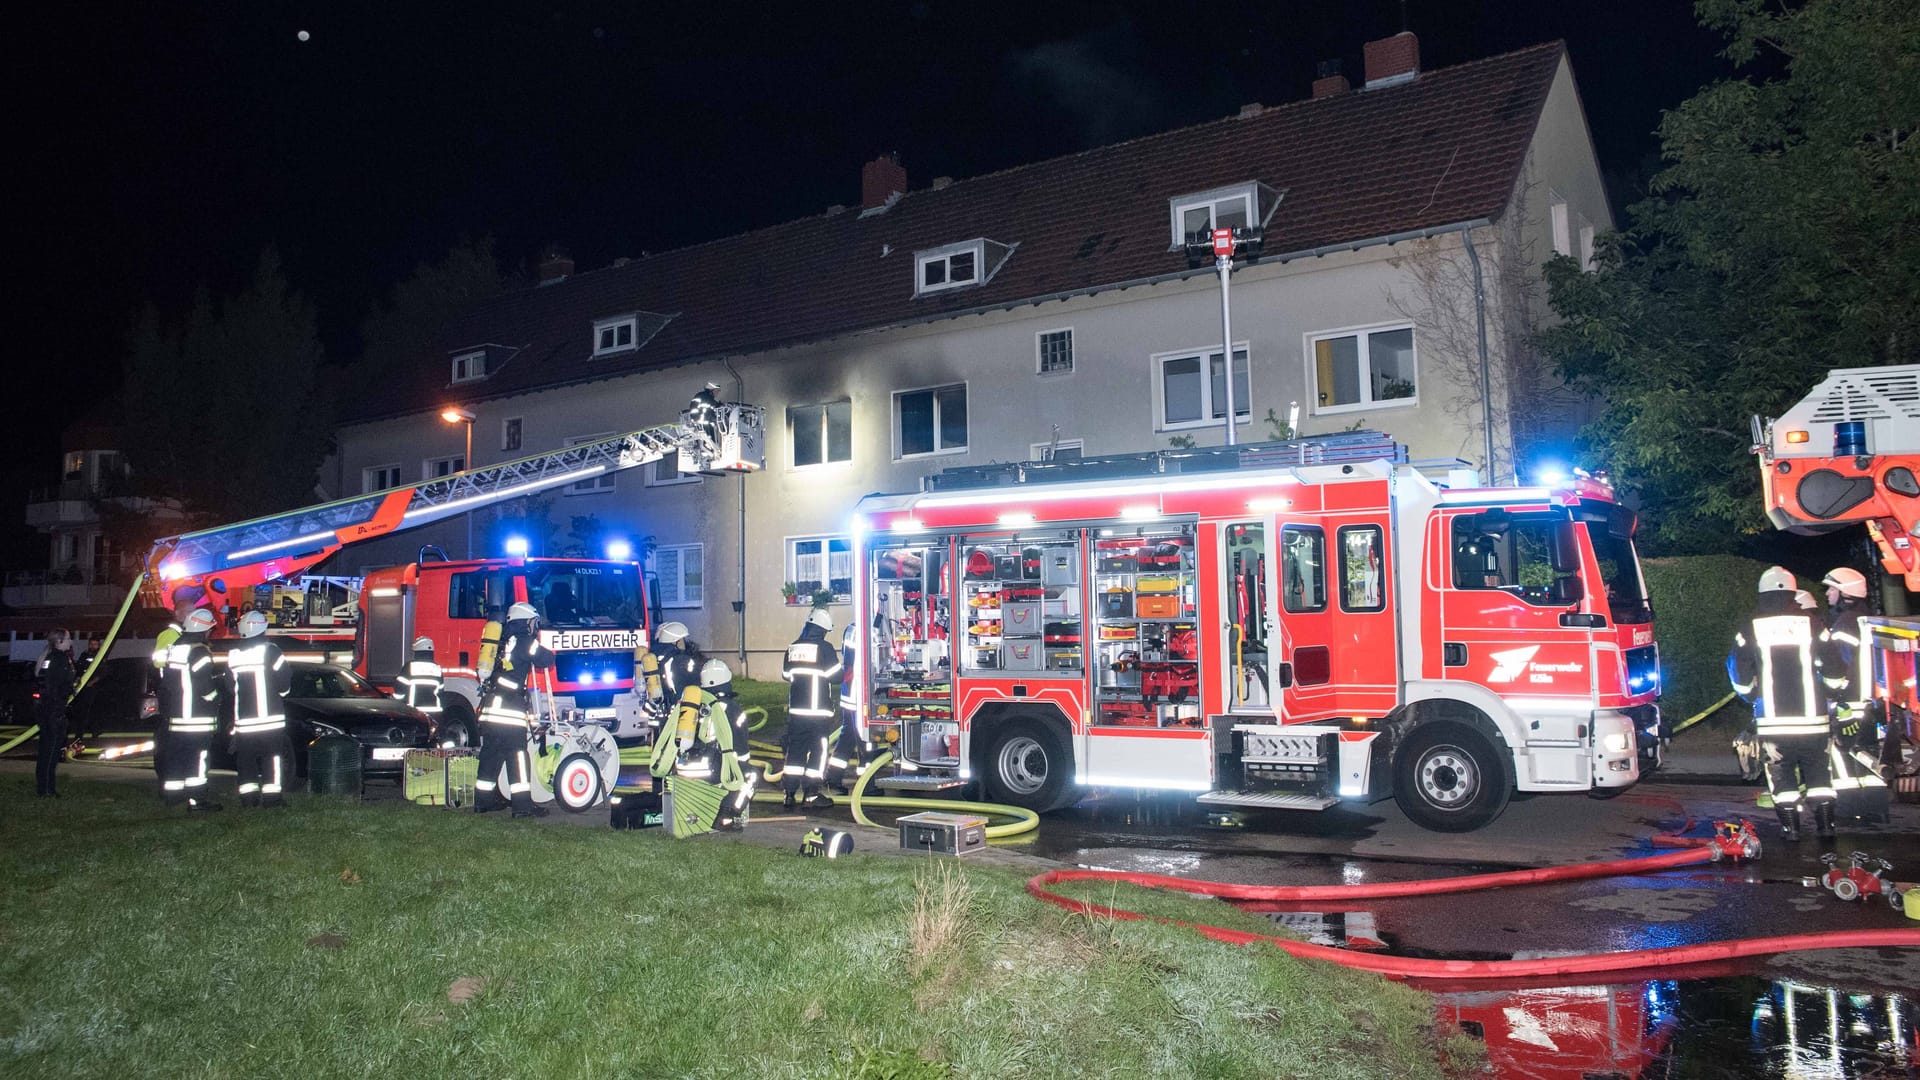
point(1781, 665)
point(419, 686)
point(191, 690)
point(504, 721)
point(812, 668)
point(263, 755)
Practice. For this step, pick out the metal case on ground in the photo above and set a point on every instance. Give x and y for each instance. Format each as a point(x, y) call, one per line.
point(943, 834)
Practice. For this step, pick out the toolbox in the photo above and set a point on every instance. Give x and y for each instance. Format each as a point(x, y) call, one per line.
point(1116, 604)
point(1060, 566)
point(1020, 620)
point(943, 834)
point(441, 777)
point(1157, 607)
point(1023, 655)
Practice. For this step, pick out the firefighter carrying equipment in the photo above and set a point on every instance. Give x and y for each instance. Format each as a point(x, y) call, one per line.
point(419, 685)
point(504, 721)
point(190, 691)
point(700, 746)
point(263, 754)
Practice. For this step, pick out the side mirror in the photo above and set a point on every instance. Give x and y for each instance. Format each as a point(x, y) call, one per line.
point(1583, 620)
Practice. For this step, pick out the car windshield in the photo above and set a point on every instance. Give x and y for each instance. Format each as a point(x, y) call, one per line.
point(585, 594)
point(330, 682)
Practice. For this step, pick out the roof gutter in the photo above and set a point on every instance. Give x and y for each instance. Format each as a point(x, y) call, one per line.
point(983, 309)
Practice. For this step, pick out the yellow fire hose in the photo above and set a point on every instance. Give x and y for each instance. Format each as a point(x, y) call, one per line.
point(1701, 715)
point(1024, 820)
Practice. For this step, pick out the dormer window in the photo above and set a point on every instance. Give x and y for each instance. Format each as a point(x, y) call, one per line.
point(1251, 203)
point(470, 367)
point(625, 333)
point(955, 266)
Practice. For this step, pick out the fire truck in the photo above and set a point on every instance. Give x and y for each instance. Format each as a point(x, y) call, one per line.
point(593, 610)
point(1278, 626)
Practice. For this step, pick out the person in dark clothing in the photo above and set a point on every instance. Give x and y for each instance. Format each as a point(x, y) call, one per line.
point(190, 697)
point(680, 660)
point(263, 754)
point(504, 722)
point(55, 673)
point(812, 667)
point(1782, 666)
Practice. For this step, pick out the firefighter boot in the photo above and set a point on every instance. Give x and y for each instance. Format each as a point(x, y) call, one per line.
point(1789, 821)
point(1823, 819)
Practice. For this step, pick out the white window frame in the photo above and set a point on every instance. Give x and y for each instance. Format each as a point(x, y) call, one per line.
point(1558, 217)
point(1040, 448)
point(504, 427)
point(1155, 372)
point(675, 597)
point(631, 322)
point(826, 444)
point(1585, 236)
point(650, 472)
point(827, 553)
point(899, 442)
point(371, 476)
point(450, 460)
point(1039, 353)
point(978, 248)
point(470, 366)
point(1178, 206)
point(1366, 368)
point(602, 483)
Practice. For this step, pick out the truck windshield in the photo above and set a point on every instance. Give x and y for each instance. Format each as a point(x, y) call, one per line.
point(1620, 572)
point(585, 594)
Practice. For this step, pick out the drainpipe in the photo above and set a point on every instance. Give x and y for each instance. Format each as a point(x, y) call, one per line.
point(740, 577)
point(1480, 316)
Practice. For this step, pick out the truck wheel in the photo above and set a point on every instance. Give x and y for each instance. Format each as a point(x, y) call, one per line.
point(576, 783)
point(1449, 778)
point(458, 727)
point(1026, 766)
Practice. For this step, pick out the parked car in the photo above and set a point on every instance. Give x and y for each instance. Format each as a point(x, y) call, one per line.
point(123, 696)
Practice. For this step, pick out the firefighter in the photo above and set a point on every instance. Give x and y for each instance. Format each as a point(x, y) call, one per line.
point(812, 668)
point(849, 749)
point(184, 600)
point(1777, 663)
point(419, 685)
point(680, 661)
point(703, 416)
point(191, 692)
point(1846, 602)
point(263, 755)
point(700, 744)
point(651, 685)
point(503, 714)
point(56, 675)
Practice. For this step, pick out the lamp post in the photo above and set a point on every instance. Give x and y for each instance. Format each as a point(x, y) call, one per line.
point(453, 414)
point(1222, 245)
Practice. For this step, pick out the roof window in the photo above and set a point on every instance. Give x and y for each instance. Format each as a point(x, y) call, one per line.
point(626, 333)
point(1249, 203)
point(955, 266)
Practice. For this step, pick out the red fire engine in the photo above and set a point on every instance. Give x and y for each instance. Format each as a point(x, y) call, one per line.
point(1277, 626)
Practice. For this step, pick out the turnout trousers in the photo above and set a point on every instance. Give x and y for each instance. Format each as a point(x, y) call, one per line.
point(809, 742)
point(1794, 761)
point(264, 760)
point(181, 761)
point(503, 745)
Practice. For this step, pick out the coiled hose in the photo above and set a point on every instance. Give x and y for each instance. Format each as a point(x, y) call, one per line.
point(766, 755)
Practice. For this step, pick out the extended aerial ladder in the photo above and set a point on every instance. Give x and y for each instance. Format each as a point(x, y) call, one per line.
point(709, 436)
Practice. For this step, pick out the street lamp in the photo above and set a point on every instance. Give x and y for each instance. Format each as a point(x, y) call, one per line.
point(454, 414)
point(1222, 245)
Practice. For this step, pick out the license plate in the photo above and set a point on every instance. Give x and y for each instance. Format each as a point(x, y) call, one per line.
point(389, 753)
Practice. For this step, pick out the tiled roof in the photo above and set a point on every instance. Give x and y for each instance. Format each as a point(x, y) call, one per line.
point(1443, 148)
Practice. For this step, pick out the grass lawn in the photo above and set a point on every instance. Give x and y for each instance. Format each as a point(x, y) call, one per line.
point(343, 940)
point(769, 695)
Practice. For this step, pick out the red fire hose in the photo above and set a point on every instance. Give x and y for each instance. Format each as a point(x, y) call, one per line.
point(1729, 842)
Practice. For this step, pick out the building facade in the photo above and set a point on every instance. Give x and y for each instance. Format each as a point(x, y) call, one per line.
point(1045, 311)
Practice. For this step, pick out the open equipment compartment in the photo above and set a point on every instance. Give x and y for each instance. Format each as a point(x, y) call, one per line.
point(1146, 642)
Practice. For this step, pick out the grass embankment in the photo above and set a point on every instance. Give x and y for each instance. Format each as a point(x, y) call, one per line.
point(343, 940)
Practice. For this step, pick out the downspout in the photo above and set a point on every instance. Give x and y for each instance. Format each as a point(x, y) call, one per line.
point(1480, 316)
point(740, 575)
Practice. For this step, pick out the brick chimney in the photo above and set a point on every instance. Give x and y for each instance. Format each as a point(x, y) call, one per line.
point(555, 265)
point(1329, 80)
point(1392, 60)
point(880, 178)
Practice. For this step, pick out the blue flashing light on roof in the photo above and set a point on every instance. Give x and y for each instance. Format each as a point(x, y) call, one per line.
point(516, 545)
point(619, 550)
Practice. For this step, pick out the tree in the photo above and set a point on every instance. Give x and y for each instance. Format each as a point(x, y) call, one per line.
point(1782, 239)
point(226, 406)
point(400, 333)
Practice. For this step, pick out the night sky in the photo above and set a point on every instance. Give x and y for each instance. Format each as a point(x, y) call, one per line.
point(166, 144)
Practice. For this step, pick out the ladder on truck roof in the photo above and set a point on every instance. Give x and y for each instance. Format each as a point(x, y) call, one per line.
point(1344, 447)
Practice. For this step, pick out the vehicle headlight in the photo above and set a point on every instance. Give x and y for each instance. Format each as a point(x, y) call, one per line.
point(323, 728)
point(1615, 743)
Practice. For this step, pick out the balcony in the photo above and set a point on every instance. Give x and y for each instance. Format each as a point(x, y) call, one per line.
point(70, 588)
point(45, 513)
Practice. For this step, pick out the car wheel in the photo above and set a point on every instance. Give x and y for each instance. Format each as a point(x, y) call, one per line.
point(1449, 778)
point(457, 724)
point(576, 783)
point(1027, 766)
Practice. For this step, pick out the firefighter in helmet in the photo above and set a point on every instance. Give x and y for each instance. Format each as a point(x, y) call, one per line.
point(191, 692)
point(263, 755)
point(812, 670)
point(504, 721)
point(703, 416)
point(185, 598)
point(679, 661)
point(419, 685)
point(1846, 602)
point(1777, 664)
point(699, 744)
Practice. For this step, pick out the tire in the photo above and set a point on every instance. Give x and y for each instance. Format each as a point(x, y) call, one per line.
point(1845, 889)
point(457, 723)
point(576, 783)
point(1450, 778)
point(1604, 793)
point(1026, 765)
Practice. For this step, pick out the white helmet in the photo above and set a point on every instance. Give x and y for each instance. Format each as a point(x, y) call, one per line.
point(1848, 581)
point(670, 633)
point(521, 611)
point(715, 673)
point(1778, 579)
point(423, 644)
point(199, 621)
point(1804, 599)
point(821, 618)
point(253, 624)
